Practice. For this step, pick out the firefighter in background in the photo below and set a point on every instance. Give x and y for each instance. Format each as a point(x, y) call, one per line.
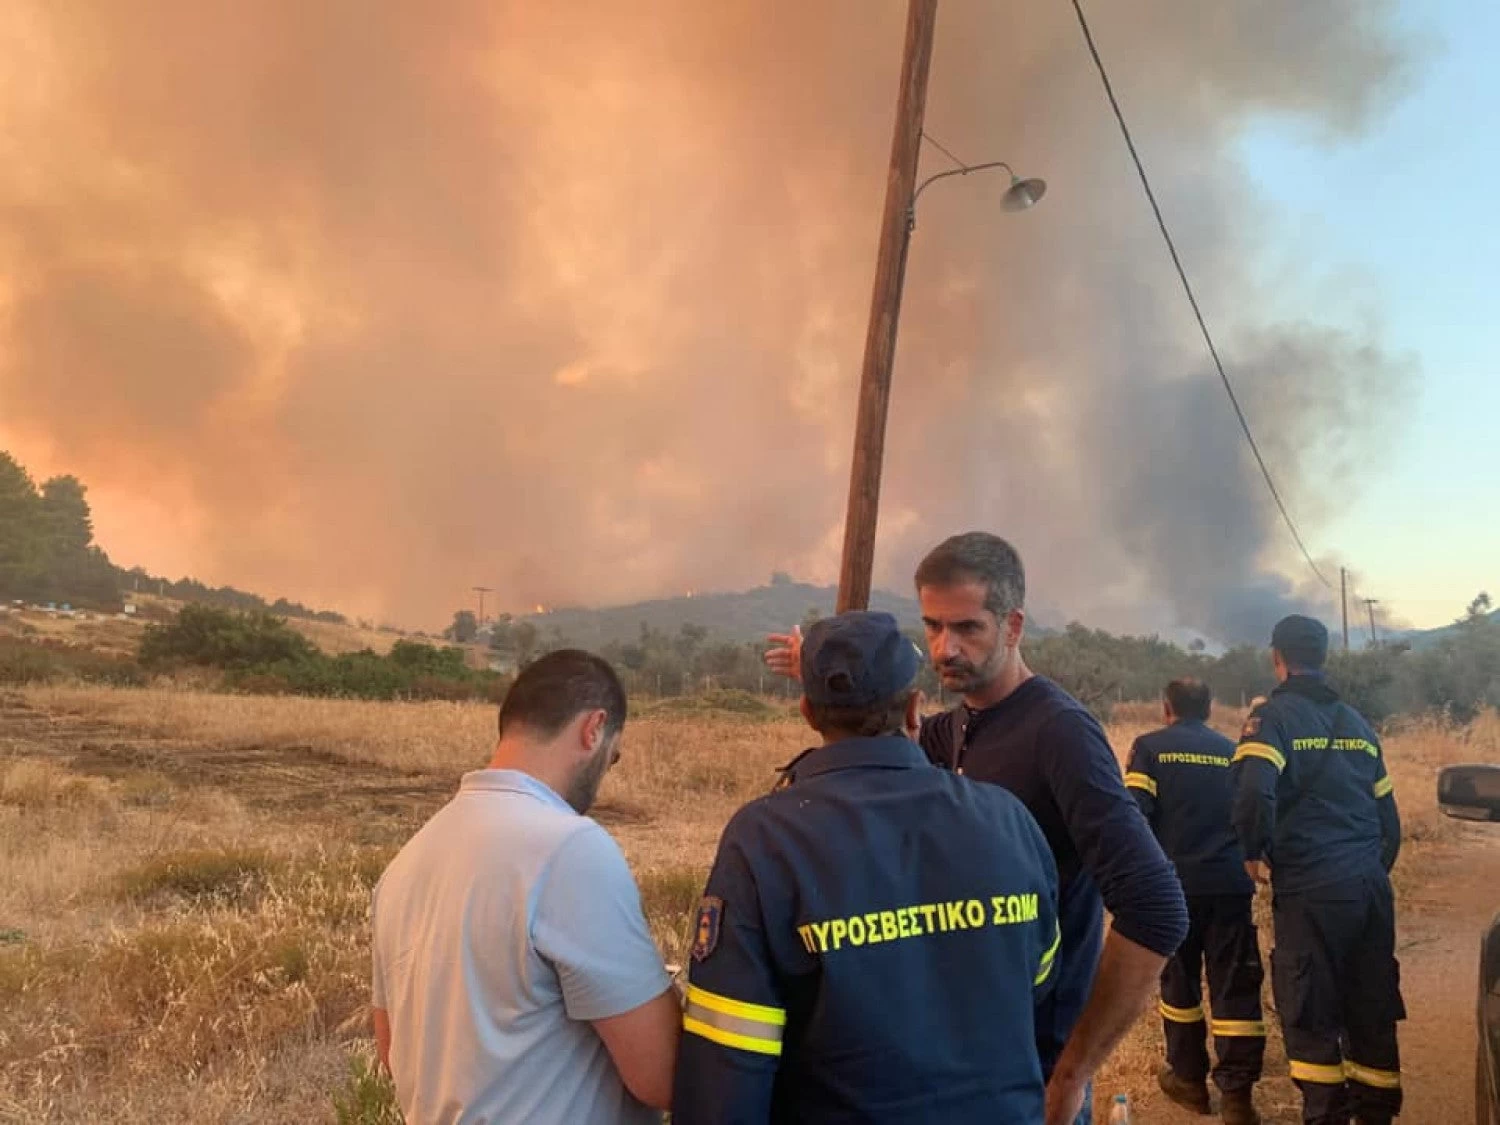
point(1179, 776)
point(1316, 817)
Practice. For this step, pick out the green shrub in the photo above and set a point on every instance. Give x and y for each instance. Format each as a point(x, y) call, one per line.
point(368, 1096)
point(425, 659)
point(218, 638)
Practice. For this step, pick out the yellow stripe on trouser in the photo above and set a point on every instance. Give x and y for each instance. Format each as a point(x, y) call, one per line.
point(1044, 970)
point(1249, 1029)
point(1142, 781)
point(1181, 1015)
point(733, 1023)
point(1260, 750)
point(1369, 1076)
point(1317, 1072)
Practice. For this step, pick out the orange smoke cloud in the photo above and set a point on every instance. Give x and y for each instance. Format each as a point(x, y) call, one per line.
point(365, 304)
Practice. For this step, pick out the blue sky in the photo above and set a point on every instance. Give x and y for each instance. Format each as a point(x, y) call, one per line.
point(1410, 206)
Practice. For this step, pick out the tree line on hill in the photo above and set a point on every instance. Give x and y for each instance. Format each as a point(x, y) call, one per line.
point(1457, 676)
point(255, 651)
point(47, 550)
point(48, 554)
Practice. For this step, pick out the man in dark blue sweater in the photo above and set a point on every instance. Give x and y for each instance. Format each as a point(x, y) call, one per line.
point(1024, 732)
point(1179, 776)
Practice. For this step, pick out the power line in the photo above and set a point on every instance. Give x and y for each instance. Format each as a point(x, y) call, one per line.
point(1192, 300)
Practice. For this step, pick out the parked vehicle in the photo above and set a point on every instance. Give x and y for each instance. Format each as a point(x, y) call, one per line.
point(1472, 792)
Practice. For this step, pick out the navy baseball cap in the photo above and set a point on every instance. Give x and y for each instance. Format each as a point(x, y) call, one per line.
point(857, 659)
point(1301, 641)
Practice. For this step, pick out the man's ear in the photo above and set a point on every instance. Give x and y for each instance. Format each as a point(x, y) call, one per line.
point(1015, 627)
point(806, 708)
point(913, 718)
point(591, 732)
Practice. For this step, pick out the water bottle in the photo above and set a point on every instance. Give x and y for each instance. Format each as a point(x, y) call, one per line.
point(1119, 1110)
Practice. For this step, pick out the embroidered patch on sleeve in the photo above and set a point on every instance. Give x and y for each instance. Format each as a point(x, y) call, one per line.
point(710, 916)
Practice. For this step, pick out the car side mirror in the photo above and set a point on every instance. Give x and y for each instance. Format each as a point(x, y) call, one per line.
point(1470, 792)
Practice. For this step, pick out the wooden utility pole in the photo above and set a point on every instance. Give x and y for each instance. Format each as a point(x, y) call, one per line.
point(885, 310)
point(482, 591)
point(1344, 598)
point(1370, 605)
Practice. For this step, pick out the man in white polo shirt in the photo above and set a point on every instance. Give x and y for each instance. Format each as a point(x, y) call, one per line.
point(514, 975)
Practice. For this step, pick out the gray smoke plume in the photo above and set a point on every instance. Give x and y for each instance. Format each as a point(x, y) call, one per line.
point(368, 303)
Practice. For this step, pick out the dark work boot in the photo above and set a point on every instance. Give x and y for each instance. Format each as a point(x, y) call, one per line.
point(1237, 1108)
point(1185, 1092)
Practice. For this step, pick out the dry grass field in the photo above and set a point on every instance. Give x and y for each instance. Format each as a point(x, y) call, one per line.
point(107, 635)
point(184, 880)
point(121, 636)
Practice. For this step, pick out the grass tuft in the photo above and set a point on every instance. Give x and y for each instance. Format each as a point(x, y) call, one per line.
point(368, 1096)
point(223, 875)
point(36, 783)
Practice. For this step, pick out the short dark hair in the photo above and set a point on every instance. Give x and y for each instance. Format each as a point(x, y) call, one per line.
point(1189, 698)
point(1302, 642)
point(554, 690)
point(887, 716)
point(978, 556)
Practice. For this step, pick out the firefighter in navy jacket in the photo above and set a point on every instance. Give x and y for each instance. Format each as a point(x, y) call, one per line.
point(1315, 813)
point(1179, 776)
point(877, 934)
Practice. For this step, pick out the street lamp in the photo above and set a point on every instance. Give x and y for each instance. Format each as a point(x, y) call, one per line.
point(885, 311)
point(1018, 197)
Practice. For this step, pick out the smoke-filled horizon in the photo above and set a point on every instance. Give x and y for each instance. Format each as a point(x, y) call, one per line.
point(366, 305)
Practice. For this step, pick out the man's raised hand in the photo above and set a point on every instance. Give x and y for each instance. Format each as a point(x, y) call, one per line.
point(784, 657)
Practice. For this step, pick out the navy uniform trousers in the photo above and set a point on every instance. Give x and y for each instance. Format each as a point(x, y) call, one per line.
point(1221, 940)
point(1338, 989)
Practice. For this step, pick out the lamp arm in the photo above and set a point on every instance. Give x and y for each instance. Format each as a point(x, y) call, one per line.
point(964, 171)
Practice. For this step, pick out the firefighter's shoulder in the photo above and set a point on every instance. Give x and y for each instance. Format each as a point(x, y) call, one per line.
point(1262, 710)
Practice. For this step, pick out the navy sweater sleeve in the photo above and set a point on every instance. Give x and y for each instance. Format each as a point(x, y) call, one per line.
point(1115, 844)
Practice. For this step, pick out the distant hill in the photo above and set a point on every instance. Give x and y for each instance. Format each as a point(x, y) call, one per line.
point(1421, 639)
point(745, 616)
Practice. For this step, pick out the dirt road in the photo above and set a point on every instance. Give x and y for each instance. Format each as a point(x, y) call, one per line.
point(1450, 893)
